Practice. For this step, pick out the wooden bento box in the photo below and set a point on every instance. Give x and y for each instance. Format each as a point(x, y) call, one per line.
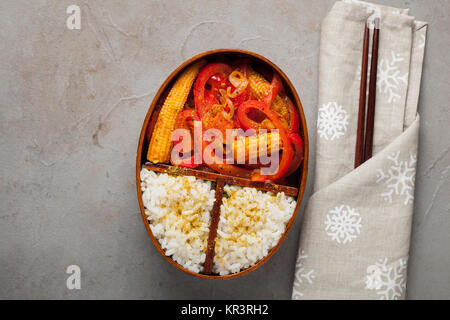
point(293, 186)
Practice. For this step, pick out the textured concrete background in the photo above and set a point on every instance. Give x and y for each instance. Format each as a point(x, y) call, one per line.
point(72, 105)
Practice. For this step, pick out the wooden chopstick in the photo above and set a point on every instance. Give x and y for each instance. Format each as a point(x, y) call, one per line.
point(359, 152)
point(368, 142)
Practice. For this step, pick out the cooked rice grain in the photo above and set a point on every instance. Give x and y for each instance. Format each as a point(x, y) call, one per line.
point(251, 224)
point(178, 210)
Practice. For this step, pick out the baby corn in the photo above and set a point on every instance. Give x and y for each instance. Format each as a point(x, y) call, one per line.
point(259, 86)
point(159, 148)
point(249, 148)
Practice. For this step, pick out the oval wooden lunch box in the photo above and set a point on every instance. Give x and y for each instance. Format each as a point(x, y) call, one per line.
point(296, 181)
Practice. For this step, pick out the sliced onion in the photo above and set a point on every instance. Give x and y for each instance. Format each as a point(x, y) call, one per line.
point(227, 103)
point(236, 78)
point(239, 81)
point(227, 116)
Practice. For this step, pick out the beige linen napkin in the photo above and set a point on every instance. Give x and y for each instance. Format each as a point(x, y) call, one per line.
point(355, 235)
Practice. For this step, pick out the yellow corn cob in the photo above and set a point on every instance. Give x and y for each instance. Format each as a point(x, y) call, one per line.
point(159, 149)
point(252, 146)
point(259, 86)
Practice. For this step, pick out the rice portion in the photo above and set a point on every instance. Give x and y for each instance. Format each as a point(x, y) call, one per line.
point(178, 210)
point(251, 224)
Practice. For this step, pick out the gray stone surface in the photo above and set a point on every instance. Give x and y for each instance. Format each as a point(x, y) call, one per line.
point(71, 108)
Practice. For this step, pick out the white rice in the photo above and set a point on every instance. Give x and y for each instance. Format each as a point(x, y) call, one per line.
point(178, 209)
point(251, 224)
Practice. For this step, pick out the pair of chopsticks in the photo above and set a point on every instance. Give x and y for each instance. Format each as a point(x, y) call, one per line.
point(364, 134)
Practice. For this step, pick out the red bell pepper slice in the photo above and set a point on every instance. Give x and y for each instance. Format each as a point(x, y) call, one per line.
point(214, 119)
point(275, 87)
point(185, 120)
point(218, 82)
point(297, 142)
point(287, 151)
point(215, 75)
point(212, 161)
point(228, 169)
point(210, 70)
point(209, 101)
point(185, 163)
point(294, 120)
point(244, 120)
point(217, 164)
point(241, 98)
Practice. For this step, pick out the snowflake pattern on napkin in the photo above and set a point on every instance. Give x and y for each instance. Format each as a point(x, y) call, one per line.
point(389, 78)
point(302, 275)
point(388, 280)
point(399, 178)
point(343, 224)
point(332, 121)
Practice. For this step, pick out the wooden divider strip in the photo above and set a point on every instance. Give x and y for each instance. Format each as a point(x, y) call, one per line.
point(214, 224)
point(212, 176)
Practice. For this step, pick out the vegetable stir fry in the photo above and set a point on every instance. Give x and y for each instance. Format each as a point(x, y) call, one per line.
point(210, 101)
